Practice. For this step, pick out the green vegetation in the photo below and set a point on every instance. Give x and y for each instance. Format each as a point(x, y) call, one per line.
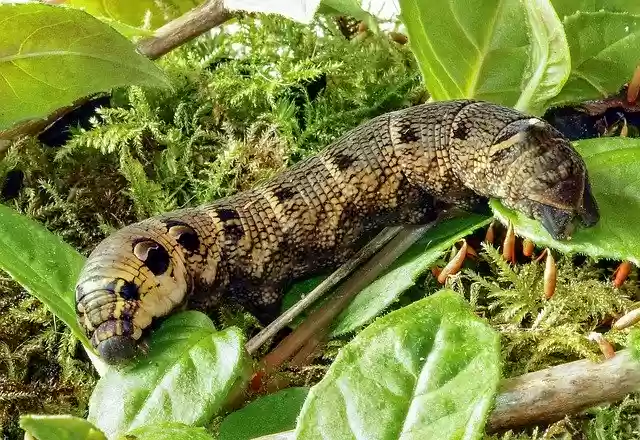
point(257, 96)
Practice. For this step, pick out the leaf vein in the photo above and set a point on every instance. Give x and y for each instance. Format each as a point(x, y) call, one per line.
point(38, 30)
point(475, 77)
point(36, 78)
point(436, 57)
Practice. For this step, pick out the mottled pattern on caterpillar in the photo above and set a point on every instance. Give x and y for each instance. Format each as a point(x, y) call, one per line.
point(405, 167)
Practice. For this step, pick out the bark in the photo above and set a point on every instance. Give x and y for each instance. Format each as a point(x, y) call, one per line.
point(190, 25)
point(548, 395)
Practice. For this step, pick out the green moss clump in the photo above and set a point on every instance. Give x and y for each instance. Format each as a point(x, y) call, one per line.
point(536, 332)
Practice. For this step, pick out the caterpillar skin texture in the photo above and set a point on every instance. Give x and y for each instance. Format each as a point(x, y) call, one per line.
point(405, 167)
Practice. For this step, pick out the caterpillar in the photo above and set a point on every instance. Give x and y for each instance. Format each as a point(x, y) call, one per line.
point(404, 167)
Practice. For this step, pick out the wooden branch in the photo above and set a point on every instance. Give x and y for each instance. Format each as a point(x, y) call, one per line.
point(549, 395)
point(190, 25)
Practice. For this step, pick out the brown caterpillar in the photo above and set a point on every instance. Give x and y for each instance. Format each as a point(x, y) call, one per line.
point(403, 167)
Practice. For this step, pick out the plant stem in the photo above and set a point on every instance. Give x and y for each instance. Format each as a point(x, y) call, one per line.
point(184, 28)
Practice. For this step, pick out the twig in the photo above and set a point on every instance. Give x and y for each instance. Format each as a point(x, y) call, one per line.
point(184, 28)
point(319, 320)
point(325, 286)
point(549, 395)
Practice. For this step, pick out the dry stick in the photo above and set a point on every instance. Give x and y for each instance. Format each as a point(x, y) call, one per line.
point(304, 356)
point(548, 395)
point(184, 28)
point(329, 283)
point(320, 319)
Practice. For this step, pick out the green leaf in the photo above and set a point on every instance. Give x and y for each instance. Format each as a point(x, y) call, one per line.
point(504, 51)
point(549, 61)
point(269, 415)
point(142, 14)
point(60, 428)
point(188, 374)
point(569, 7)
point(167, 431)
point(298, 290)
point(126, 30)
point(52, 56)
point(351, 8)
point(427, 371)
point(614, 167)
point(43, 264)
point(634, 343)
point(603, 46)
point(404, 272)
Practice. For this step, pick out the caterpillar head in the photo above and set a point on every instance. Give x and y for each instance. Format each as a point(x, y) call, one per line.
point(532, 168)
point(133, 277)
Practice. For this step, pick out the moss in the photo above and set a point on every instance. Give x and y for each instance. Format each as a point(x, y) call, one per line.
point(39, 368)
point(244, 105)
point(537, 333)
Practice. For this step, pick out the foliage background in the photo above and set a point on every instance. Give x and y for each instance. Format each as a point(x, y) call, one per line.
point(256, 97)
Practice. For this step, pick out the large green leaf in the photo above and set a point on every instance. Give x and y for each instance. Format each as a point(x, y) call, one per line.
point(269, 414)
point(52, 56)
point(167, 431)
point(614, 167)
point(603, 54)
point(188, 374)
point(43, 264)
point(60, 428)
point(404, 272)
point(426, 371)
point(506, 51)
point(143, 14)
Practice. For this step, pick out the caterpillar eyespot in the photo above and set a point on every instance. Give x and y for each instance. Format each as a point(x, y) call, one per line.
point(154, 256)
